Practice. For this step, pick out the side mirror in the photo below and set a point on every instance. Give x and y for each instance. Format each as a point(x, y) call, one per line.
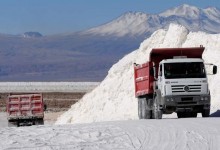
point(214, 69)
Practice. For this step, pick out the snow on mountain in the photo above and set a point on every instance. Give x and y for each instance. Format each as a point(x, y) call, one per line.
point(213, 13)
point(140, 24)
point(183, 11)
point(195, 19)
point(32, 35)
point(125, 25)
point(114, 98)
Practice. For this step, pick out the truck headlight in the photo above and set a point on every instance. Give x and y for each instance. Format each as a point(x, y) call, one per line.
point(170, 99)
point(204, 98)
point(204, 81)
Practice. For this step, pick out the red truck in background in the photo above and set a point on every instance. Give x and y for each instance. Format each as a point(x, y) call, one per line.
point(25, 109)
point(173, 80)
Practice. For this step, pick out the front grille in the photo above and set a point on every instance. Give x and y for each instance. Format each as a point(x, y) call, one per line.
point(185, 99)
point(187, 103)
point(186, 88)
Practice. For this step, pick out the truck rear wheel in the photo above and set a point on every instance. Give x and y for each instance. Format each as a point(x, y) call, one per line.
point(205, 112)
point(144, 111)
point(13, 124)
point(39, 121)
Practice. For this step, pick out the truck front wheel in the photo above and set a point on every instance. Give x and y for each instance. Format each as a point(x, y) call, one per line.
point(205, 112)
point(180, 115)
point(144, 111)
point(157, 112)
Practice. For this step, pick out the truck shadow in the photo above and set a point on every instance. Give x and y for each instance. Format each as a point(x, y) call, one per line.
point(215, 114)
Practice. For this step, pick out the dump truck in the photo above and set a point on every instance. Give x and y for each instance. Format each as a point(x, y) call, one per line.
point(25, 109)
point(173, 80)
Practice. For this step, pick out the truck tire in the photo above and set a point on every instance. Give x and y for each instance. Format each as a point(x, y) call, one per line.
point(144, 111)
point(180, 115)
point(157, 113)
point(12, 124)
point(205, 112)
point(193, 114)
point(39, 121)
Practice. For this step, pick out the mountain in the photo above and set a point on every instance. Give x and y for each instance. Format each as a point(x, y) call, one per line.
point(142, 24)
point(130, 24)
point(88, 55)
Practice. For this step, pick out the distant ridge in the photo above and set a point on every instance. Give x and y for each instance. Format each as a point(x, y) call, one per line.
point(32, 35)
point(88, 55)
point(138, 23)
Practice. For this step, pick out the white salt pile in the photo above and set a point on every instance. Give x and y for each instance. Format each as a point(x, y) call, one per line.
point(114, 98)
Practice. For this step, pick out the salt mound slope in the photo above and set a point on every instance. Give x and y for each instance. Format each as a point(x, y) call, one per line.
point(114, 98)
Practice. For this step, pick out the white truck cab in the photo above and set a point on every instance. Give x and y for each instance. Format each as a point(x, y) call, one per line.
point(183, 86)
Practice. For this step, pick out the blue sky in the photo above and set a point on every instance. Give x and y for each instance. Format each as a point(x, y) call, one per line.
point(62, 16)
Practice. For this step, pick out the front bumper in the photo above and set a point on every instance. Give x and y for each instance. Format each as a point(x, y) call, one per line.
point(186, 103)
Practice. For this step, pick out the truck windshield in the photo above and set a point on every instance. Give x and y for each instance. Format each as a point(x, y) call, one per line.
point(184, 70)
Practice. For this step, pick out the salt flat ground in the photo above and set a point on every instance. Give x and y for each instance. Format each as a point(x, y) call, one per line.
point(3, 120)
point(168, 134)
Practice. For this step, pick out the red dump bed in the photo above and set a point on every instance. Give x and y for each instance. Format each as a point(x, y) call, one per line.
point(143, 80)
point(158, 54)
point(25, 106)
